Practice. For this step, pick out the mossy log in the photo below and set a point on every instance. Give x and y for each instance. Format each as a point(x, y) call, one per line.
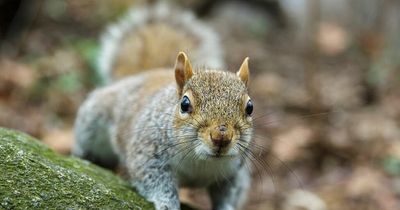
point(34, 177)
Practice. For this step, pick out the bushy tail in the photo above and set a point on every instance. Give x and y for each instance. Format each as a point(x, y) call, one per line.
point(151, 37)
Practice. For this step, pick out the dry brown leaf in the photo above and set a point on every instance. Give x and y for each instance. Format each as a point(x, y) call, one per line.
point(60, 140)
point(198, 198)
point(332, 38)
point(303, 200)
point(290, 145)
point(15, 75)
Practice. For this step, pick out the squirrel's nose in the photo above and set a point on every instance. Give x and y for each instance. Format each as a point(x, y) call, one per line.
point(220, 136)
point(222, 128)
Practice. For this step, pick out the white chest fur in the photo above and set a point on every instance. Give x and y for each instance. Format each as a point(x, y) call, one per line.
point(194, 172)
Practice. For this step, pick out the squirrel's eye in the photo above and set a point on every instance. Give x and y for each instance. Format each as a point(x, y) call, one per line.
point(185, 104)
point(249, 107)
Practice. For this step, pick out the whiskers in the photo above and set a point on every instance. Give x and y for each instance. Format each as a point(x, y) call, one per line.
point(256, 155)
point(187, 141)
point(258, 123)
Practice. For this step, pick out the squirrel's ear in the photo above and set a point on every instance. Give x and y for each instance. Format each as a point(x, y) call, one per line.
point(244, 72)
point(183, 70)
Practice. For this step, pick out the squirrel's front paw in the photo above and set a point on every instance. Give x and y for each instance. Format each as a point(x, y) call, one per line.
point(225, 207)
point(163, 207)
point(167, 206)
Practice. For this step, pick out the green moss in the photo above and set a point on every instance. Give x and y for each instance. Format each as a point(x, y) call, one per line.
point(34, 177)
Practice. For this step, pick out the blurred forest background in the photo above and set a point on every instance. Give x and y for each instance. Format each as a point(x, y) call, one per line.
point(325, 81)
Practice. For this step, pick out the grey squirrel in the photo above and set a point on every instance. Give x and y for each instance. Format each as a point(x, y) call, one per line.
point(171, 128)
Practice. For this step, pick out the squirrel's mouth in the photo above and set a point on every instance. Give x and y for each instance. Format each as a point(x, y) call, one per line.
point(208, 149)
point(219, 155)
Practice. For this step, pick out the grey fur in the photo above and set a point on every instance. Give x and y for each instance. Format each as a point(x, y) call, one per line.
point(142, 129)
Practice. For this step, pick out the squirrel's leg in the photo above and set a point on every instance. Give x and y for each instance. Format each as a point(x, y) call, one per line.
point(92, 134)
point(230, 194)
point(156, 183)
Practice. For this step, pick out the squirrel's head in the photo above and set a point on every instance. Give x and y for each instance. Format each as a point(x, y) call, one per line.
point(214, 111)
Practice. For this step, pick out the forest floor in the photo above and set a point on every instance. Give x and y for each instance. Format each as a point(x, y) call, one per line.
point(327, 116)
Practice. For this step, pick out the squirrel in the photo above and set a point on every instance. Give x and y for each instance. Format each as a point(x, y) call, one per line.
point(172, 128)
point(150, 37)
